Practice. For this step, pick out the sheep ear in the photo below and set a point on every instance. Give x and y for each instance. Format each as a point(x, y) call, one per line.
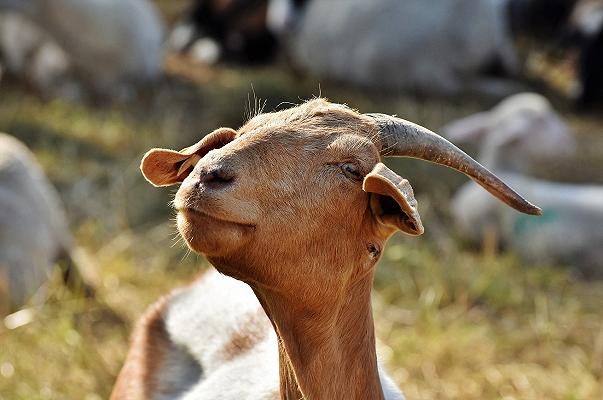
point(164, 167)
point(467, 129)
point(392, 201)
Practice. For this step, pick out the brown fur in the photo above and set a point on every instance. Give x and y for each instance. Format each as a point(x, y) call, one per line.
point(139, 378)
point(296, 225)
point(253, 329)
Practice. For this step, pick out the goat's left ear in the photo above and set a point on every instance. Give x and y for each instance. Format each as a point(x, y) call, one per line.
point(163, 167)
point(392, 201)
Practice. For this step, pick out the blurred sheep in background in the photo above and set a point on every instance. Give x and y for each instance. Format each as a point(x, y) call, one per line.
point(586, 22)
point(33, 229)
point(225, 30)
point(513, 136)
point(112, 47)
point(399, 46)
point(443, 49)
point(109, 46)
point(28, 53)
point(568, 24)
point(522, 131)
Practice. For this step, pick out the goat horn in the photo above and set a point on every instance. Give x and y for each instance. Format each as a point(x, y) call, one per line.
point(402, 138)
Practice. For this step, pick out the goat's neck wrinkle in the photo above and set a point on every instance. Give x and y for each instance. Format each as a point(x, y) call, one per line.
point(326, 352)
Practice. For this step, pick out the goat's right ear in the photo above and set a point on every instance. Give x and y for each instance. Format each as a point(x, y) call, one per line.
point(163, 167)
point(392, 200)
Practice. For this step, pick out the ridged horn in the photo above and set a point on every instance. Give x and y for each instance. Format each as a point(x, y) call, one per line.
point(403, 138)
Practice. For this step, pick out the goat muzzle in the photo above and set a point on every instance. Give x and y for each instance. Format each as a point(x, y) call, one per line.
point(403, 138)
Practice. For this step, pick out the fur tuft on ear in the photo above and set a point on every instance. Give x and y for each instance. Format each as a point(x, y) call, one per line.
point(164, 167)
point(392, 200)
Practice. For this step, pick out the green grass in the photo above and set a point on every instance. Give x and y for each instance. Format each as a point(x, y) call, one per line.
point(453, 323)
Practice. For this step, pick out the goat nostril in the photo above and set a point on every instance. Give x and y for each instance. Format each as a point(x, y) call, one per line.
point(217, 177)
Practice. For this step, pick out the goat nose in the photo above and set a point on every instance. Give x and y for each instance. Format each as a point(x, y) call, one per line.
point(216, 177)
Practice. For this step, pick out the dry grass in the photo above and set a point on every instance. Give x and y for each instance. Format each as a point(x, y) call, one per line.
point(453, 323)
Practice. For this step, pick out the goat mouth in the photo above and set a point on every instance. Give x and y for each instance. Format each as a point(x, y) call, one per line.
point(190, 212)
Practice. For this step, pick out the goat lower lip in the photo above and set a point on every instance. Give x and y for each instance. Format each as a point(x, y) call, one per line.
point(204, 214)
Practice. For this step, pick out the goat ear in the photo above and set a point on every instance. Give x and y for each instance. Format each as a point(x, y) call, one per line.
point(163, 167)
point(392, 200)
point(467, 129)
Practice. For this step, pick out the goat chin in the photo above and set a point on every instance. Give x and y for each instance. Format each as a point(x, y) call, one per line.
point(208, 235)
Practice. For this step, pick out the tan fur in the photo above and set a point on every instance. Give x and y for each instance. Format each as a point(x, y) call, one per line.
point(289, 217)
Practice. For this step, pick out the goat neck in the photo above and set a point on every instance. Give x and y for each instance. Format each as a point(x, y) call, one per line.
point(326, 351)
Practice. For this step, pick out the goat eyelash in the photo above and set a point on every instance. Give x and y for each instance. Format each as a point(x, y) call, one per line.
point(356, 175)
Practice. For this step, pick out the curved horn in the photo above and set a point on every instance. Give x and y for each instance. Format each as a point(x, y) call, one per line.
point(405, 139)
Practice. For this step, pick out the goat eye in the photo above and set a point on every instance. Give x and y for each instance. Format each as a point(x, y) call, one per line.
point(351, 171)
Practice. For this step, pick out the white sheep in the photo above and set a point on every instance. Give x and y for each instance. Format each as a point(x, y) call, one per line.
point(111, 44)
point(435, 48)
point(520, 132)
point(33, 228)
point(297, 205)
point(516, 135)
point(29, 54)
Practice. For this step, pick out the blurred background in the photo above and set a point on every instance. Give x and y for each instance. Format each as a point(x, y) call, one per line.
point(487, 304)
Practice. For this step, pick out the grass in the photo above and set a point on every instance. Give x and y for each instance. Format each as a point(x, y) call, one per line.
point(483, 327)
point(452, 322)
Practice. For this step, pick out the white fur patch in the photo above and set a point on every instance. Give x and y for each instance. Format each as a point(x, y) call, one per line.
point(198, 318)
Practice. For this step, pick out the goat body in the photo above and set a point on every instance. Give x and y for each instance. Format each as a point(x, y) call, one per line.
point(203, 347)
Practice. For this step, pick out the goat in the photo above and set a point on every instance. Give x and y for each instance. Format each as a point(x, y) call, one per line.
point(111, 45)
point(297, 205)
point(228, 30)
point(33, 228)
point(520, 132)
point(400, 45)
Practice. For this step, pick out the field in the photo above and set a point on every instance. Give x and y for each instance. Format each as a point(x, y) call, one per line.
point(453, 322)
